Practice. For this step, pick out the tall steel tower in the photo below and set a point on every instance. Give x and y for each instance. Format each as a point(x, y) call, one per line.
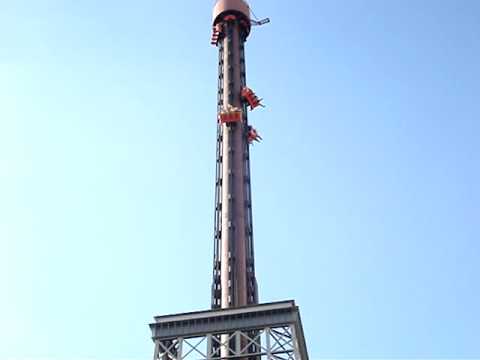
point(237, 327)
point(234, 282)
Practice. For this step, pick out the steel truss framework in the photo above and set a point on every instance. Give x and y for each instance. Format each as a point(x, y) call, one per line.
point(267, 331)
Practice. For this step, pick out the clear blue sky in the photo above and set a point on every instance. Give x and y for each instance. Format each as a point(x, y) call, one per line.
point(366, 187)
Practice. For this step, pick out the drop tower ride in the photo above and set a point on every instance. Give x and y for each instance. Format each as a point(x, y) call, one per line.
point(234, 282)
point(237, 326)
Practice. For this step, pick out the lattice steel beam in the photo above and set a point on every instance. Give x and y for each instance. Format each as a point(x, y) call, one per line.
point(270, 331)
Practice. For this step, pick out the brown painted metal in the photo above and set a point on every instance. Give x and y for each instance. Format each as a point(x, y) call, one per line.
point(233, 240)
point(223, 6)
point(233, 263)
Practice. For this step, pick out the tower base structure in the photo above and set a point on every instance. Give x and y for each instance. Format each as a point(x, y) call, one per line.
point(271, 331)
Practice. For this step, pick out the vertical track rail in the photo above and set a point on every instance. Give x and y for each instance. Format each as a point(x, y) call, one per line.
point(216, 284)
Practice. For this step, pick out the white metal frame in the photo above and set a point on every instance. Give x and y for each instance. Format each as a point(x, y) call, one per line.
point(262, 332)
point(272, 343)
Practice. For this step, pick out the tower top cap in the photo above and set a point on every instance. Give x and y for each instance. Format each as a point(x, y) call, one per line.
point(234, 6)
